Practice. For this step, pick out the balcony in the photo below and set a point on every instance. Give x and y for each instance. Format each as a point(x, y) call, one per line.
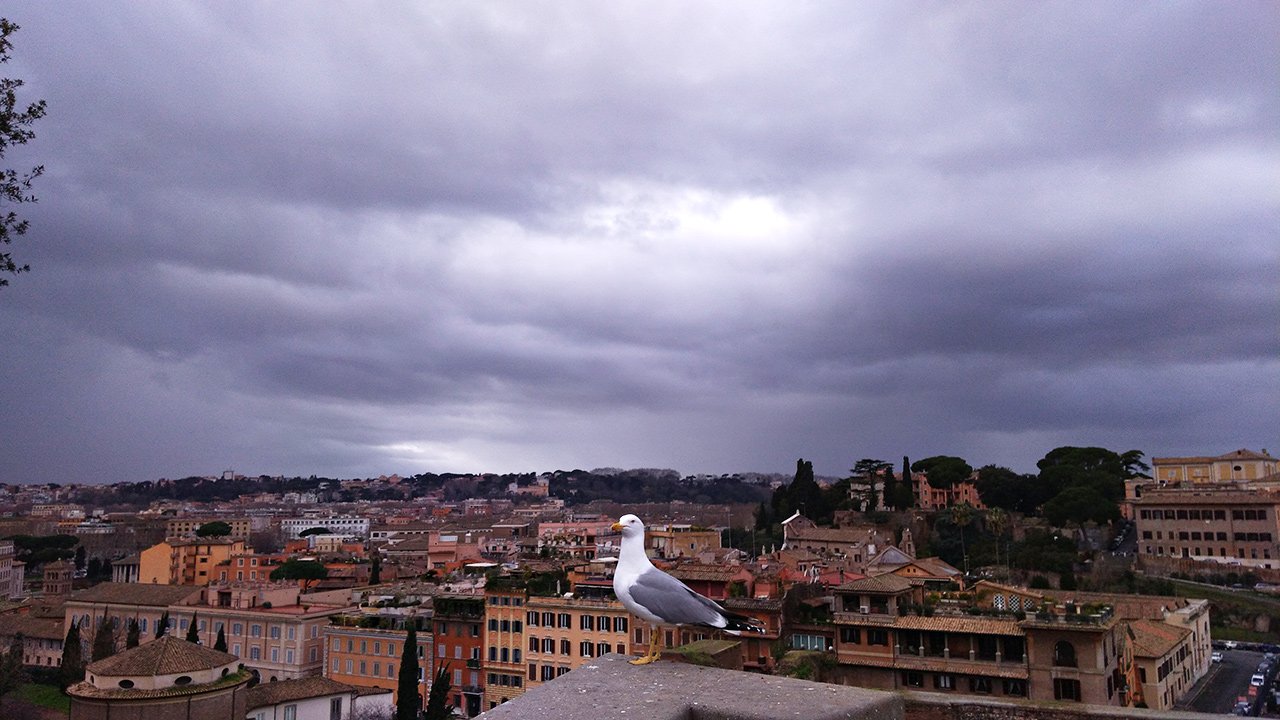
point(473, 664)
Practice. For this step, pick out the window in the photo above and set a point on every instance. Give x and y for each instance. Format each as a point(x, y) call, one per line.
point(515, 655)
point(803, 641)
point(565, 647)
point(275, 632)
point(533, 671)
point(493, 653)
point(586, 622)
point(851, 635)
point(877, 636)
point(980, 685)
point(516, 626)
point(275, 655)
point(255, 653)
point(377, 648)
point(531, 619)
point(1016, 688)
point(1066, 689)
point(565, 621)
point(943, 681)
point(548, 673)
point(1064, 654)
point(913, 679)
point(335, 708)
point(290, 712)
point(619, 624)
point(586, 649)
point(255, 631)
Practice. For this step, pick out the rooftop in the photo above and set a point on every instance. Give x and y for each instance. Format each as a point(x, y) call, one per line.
point(167, 656)
point(274, 693)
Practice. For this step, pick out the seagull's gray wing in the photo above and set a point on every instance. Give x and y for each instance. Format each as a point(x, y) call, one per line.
point(673, 601)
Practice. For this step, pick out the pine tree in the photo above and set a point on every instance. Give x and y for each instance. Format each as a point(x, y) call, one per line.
point(72, 670)
point(162, 626)
point(407, 699)
point(221, 643)
point(131, 640)
point(104, 640)
point(193, 635)
point(375, 572)
point(908, 485)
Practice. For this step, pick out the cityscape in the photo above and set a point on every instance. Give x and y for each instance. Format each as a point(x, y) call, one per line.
point(898, 359)
point(296, 597)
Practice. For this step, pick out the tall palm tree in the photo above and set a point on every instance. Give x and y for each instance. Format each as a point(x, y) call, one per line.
point(997, 521)
point(962, 516)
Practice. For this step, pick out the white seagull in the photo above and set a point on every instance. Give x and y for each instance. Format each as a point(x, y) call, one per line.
point(660, 599)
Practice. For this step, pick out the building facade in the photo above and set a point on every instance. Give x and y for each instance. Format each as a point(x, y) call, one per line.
point(1226, 526)
point(366, 651)
point(1238, 466)
point(504, 670)
point(185, 562)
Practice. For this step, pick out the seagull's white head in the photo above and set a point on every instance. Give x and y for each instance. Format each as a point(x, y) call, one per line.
point(630, 526)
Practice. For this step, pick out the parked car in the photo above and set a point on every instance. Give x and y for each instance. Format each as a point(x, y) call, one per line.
point(1257, 680)
point(1216, 656)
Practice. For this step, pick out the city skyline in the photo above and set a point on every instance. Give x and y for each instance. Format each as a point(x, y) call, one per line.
point(437, 238)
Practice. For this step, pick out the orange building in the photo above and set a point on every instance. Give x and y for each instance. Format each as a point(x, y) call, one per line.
point(185, 562)
point(459, 644)
point(370, 656)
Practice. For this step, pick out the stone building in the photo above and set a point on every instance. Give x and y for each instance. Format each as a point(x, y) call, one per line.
point(168, 679)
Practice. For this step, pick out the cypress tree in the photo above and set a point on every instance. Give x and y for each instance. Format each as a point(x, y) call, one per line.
point(193, 635)
point(407, 700)
point(438, 707)
point(908, 485)
point(162, 626)
point(375, 572)
point(72, 670)
point(131, 640)
point(221, 643)
point(104, 640)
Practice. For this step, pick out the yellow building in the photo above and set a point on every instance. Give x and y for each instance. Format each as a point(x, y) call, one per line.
point(186, 527)
point(674, 541)
point(564, 633)
point(1237, 466)
point(504, 668)
point(369, 657)
point(185, 562)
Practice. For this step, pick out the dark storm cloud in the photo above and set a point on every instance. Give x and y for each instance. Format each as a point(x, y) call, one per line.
point(531, 236)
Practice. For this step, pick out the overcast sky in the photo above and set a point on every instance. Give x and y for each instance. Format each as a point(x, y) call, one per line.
point(354, 239)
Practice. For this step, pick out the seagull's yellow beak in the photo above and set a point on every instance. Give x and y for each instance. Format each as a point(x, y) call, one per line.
point(616, 527)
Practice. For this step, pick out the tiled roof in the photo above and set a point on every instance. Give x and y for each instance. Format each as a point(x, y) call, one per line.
point(135, 594)
point(704, 573)
point(744, 603)
point(32, 627)
point(959, 624)
point(86, 689)
point(937, 566)
point(887, 583)
point(274, 693)
point(1155, 639)
point(166, 656)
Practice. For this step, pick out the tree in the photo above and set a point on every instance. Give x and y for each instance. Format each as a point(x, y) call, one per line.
point(997, 522)
point(12, 672)
point(15, 129)
point(104, 639)
point(962, 516)
point(943, 471)
point(133, 637)
point(221, 643)
point(318, 530)
point(72, 669)
point(193, 634)
point(865, 474)
point(905, 496)
point(162, 625)
point(408, 700)
point(1079, 505)
point(308, 571)
point(438, 707)
point(80, 553)
point(1003, 488)
point(215, 528)
point(375, 570)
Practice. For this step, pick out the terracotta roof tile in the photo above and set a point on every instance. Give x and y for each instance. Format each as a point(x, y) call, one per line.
point(959, 623)
point(274, 693)
point(887, 583)
point(167, 656)
point(135, 594)
point(1155, 639)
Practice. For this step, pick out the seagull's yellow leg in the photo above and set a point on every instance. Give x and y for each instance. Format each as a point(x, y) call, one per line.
point(654, 651)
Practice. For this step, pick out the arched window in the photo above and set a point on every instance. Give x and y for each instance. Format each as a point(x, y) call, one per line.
point(1064, 654)
point(126, 684)
point(182, 680)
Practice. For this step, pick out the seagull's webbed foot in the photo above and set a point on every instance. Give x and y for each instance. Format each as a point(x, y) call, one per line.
point(654, 651)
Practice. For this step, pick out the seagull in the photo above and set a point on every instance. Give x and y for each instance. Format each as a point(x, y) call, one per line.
point(659, 599)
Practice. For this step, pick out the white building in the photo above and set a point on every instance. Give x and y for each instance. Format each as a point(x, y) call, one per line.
point(359, 526)
point(316, 698)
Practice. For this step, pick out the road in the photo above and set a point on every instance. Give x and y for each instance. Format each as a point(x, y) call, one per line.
point(1225, 681)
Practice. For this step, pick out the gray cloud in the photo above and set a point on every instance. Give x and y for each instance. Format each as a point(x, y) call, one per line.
point(535, 236)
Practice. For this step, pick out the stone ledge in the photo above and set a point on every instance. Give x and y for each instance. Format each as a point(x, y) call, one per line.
point(611, 687)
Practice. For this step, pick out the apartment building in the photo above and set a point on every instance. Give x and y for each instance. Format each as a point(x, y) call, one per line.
point(1226, 526)
point(365, 650)
point(458, 621)
point(562, 633)
point(929, 497)
point(504, 670)
point(680, 540)
point(12, 572)
point(346, 525)
point(187, 527)
point(1019, 644)
point(185, 562)
point(272, 628)
point(41, 638)
point(1241, 465)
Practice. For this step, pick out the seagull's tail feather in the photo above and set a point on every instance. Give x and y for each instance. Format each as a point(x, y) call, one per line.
point(736, 624)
